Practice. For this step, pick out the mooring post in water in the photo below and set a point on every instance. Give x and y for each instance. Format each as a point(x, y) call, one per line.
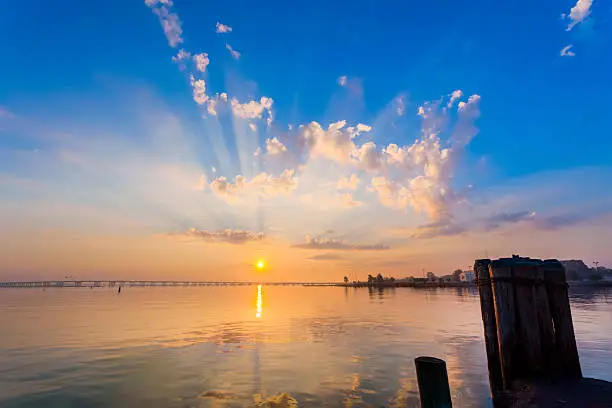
point(487, 309)
point(545, 324)
point(500, 273)
point(566, 351)
point(524, 275)
point(432, 378)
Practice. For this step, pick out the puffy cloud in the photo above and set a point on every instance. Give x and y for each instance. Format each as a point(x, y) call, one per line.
point(201, 61)
point(169, 21)
point(342, 80)
point(348, 183)
point(467, 113)
point(565, 52)
point(369, 157)
point(453, 97)
point(361, 128)
point(212, 103)
point(253, 127)
point(235, 54)
point(578, 13)
point(222, 28)
point(263, 183)
point(232, 236)
point(275, 146)
point(390, 193)
point(252, 109)
point(199, 90)
point(337, 244)
point(181, 56)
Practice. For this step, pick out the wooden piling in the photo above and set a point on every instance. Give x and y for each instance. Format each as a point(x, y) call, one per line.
point(566, 351)
point(545, 325)
point(528, 345)
point(432, 378)
point(487, 308)
point(500, 273)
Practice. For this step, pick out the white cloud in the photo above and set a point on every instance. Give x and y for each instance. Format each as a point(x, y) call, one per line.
point(390, 193)
point(579, 12)
point(454, 96)
point(181, 56)
point(342, 80)
point(253, 127)
point(252, 109)
point(565, 52)
point(263, 184)
point(235, 54)
point(199, 90)
point(169, 21)
point(222, 28)
point(348, 183)
point(201, 61)
point(369, 157)
point(275, 146)
point(212, 103)
point(361, 128)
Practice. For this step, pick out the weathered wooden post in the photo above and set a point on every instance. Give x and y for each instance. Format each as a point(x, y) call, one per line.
point(500, 273)
point(487, 309)
point(432, 378)
point(565, 341)
point(545, 324)
point(524, 273)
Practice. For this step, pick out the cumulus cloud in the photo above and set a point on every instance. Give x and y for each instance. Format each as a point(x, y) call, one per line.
point(201, 61)
point(199, 90)
point(342, 80)
point(566, 52)
point(252, 109)
point(348, 183)
point(169, 21)
point(337, 244)
point(235, 54)
point(222, 28)
point(264, 184)
point(369, 157)
point(578, 13)
point(232, 236)
point(400, 106)
point(181, 57)
point(453, 97)
point(275, 147)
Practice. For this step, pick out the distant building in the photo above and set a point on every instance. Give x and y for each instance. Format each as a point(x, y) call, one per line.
point(446, 279)
point(431, 276)
point(467, 276)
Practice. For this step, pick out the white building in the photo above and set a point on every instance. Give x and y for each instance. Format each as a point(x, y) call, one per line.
point(467, 276)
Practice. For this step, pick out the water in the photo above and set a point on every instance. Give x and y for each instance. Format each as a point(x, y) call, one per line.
point(242, 346)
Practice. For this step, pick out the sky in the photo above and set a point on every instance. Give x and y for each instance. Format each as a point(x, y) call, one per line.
point(180, 139)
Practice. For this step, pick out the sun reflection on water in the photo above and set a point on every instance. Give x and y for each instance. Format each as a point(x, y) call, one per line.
point(259, 302)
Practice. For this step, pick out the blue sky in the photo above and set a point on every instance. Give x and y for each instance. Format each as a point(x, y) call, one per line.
point(97, 83)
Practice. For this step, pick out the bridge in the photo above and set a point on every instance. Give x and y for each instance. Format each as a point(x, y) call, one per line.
point(148, 283)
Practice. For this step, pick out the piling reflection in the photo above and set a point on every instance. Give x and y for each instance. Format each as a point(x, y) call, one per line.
point(259, 302)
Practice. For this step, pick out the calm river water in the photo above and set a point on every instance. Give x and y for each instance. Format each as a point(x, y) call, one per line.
point(244, 346)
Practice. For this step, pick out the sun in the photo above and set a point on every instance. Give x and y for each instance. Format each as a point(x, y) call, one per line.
point(260, 264)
